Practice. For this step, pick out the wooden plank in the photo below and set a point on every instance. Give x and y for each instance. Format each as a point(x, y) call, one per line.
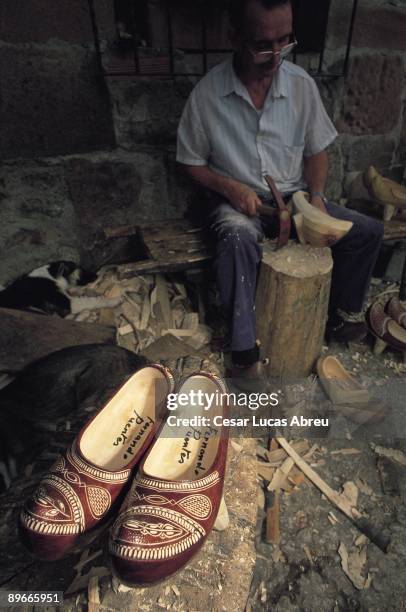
point(121, 231)
point(394, 229)
point(272, 501)
point(174, 264)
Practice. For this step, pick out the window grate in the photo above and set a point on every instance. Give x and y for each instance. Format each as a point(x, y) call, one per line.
point(130, 55)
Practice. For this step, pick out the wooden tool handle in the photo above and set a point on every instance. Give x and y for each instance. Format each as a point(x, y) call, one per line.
point(267, 211)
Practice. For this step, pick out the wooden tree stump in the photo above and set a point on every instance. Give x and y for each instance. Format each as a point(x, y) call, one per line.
point(291, 307)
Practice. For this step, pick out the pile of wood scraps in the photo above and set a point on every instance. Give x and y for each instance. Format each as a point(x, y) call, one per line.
point(151, 308)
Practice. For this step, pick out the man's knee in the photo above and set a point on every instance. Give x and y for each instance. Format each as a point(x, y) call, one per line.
point(371, 230)
point(366, 231)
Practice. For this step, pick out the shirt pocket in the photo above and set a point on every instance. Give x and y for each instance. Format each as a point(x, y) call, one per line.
point(291, 158)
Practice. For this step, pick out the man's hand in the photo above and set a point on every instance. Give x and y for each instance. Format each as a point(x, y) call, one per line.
point(317, 202)
point(243, 198)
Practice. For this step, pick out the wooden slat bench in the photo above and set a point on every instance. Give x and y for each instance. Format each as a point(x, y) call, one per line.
point(170, 246)
point(178, 244)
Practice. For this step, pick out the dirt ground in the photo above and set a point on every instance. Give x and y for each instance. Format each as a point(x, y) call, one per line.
point(322, 562)
point(305, 572)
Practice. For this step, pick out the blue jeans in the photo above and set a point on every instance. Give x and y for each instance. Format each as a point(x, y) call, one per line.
point(238, 254)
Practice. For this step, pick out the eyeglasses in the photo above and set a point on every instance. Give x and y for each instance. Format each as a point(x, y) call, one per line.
point(264, 55)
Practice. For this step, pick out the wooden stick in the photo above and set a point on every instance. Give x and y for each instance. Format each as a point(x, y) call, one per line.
point(372, 532)
point(273, 535)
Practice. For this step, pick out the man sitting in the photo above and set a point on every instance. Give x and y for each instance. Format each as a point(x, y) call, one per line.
point(257, 114)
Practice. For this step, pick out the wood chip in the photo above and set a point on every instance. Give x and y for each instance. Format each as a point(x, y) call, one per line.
point(265, 471)
point(126, 329)
point(272, 500)
point(277, 456)
point(190, 320)
point(390, 453)
point(175, 590)
point(332, 518)
point(350, 491)
point(163, 299)
point(145, 314)
point(279, 479)
point(353, 564)
point(364, 487)
point(93, 596)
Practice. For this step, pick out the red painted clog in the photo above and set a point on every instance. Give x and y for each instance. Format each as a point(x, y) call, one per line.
point(175, 498)
point(385, 329)
point(396, 311)
point(81, 489)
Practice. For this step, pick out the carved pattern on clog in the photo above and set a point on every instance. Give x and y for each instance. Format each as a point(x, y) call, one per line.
point(179, 487)
point(58, 510)
point(199, 506)
point(90, 470)
point(59, 465)
point(136, 536)
point(99, 501)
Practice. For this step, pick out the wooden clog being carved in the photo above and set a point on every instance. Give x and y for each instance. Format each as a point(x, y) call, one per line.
point(314, 226)
point(386, 192)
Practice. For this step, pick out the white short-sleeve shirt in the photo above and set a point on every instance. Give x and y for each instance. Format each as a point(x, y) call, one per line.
point(221, 128)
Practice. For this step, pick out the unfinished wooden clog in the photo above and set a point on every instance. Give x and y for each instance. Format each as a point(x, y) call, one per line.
point(340, 385)
point(315, 227)
point(389, 193)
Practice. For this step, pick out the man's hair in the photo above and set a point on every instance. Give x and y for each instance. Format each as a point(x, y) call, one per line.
point(236, 10)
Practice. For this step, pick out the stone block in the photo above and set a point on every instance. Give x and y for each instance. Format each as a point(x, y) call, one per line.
point(372, 100)
point(401, 153)
point(378, 25)
point(331, 91)
point(147, 111)
point(361, 152)
point(36, 218)
point(120, 189)
point(57, 208)
point(64, 20)
point(336, 173)
point(52, 102)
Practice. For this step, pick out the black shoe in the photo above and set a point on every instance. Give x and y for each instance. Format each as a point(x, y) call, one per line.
point(340, 330)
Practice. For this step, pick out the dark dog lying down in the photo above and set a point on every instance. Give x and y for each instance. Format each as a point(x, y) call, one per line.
point(52, 388)
point(46, 290)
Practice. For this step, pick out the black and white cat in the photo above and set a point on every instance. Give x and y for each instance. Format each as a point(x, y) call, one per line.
point(46, 290)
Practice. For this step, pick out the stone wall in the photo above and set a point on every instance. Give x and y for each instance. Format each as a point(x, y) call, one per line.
point(79, 151)
point(368, 108)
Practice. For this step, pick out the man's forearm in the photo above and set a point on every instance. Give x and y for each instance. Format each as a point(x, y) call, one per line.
point(240, 196)
point(206, 177)
point(315, 173)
